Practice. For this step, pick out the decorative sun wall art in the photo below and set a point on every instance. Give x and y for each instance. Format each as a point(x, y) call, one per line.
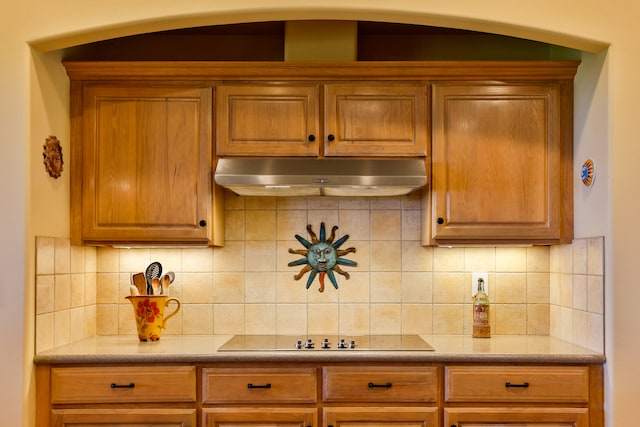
point(323, 256)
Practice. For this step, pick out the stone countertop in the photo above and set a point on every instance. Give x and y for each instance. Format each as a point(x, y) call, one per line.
point(188, 349)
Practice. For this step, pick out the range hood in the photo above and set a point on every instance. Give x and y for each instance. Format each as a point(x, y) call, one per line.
point(320, 177)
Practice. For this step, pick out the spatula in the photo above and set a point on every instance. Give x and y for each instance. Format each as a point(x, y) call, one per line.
point(139, 282)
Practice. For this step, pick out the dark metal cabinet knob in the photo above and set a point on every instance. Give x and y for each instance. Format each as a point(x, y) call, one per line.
point(440, 220)
point(203, 223)
point(331, 137)
point(311, 138)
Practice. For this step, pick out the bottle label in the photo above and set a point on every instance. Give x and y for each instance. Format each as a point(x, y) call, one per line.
point(481, 315)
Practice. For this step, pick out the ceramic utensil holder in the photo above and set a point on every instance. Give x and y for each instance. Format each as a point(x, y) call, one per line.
point(149, 314)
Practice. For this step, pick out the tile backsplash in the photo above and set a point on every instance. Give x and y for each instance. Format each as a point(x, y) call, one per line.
point(65, 292)
point(399, 286)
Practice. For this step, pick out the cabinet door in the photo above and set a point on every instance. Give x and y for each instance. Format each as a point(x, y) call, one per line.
point(129, 417)
point(259, 417)
point(146, 165)
point(516, 417)
point(380, 417)
point(375, 119)
point(501, 163)
point(267, 120)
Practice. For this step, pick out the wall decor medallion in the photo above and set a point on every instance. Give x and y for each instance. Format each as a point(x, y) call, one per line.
point(322, 256)
point(588, 173)
point(53, 156)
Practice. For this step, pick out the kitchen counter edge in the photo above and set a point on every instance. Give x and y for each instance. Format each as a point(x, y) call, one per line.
point(204, 350)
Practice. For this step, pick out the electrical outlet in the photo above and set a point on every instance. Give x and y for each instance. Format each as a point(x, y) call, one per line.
point(474, 281)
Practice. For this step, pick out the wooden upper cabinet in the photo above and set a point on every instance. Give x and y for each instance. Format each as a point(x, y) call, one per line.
point(284, 119)
point(376, 119)
point(502, 162)
point(267, 120)
point(142, 164)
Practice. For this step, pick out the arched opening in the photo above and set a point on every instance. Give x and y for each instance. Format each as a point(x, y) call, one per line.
point(267, 41)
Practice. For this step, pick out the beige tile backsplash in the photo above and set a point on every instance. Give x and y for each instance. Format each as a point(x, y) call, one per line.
point(399, 286)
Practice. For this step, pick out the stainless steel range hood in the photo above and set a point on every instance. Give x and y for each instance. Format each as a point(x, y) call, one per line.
point(320, 177)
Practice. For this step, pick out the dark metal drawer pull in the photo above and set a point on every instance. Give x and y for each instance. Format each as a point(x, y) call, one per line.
point(372, 385)
point(523, 385)
point(130, 385)
point(258, 386)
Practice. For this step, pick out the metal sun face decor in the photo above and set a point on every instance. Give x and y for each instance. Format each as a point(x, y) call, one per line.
point(322, 256)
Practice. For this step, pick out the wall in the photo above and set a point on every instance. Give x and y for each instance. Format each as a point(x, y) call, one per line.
point(398, 287)
point(610, 111)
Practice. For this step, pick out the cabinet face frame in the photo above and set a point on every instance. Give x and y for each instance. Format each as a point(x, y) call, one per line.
point(531, 185)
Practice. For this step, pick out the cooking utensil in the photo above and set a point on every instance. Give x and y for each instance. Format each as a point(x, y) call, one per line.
point(172, 276)
point(155, 284)
point(134, 291)
point(166, 281)
point(153, 271)
point(140, 282)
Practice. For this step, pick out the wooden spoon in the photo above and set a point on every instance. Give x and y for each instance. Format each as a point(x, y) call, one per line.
point(155, 284)
point(166, 281)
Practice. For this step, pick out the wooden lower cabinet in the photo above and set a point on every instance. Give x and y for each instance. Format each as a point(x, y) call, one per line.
point(385, 416)
point(516, 417)
point(523, 396)
point(320, 395)
point(259, 417)
point(130, 417)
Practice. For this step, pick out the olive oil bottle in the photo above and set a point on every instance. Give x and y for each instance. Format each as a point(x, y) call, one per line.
point(481, 327)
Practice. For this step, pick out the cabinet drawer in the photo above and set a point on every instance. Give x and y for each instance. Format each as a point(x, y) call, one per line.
point(516, 384)
point(260, 385)
point(380, 384)
point(123, 384)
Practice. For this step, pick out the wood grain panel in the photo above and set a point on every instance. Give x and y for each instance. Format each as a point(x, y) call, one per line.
point(123, 384)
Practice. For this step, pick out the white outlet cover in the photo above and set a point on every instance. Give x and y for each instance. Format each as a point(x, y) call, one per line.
point(474, 281)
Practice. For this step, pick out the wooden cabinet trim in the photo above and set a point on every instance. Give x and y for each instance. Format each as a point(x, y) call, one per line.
point(261, 71)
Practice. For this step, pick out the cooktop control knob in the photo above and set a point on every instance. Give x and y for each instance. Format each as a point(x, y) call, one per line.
point(326, 344)
point(298, 345)
point(342, 343)
point(309, 344)
point(352, 344)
